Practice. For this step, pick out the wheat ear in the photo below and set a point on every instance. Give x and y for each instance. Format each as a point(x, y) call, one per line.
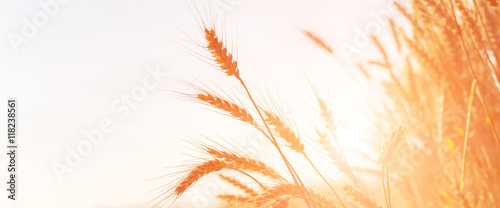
point(284, 131)
point(220, 53)
point(238, 162)
point(249, 191)
point(318, 41)
point(359, 197)
point(334, 151)
point(232, 108)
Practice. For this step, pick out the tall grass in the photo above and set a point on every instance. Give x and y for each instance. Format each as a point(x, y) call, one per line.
point(443, 92)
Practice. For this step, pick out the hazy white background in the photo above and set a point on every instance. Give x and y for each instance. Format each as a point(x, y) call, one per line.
point(68, 75)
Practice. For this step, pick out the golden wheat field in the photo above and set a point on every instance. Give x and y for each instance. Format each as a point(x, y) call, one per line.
point(250, 104)
point(436, 139)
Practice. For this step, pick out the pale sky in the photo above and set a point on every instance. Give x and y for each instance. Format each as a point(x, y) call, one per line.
point(72, 74)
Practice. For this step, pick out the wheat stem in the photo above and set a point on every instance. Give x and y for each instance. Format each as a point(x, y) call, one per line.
point(464, 155)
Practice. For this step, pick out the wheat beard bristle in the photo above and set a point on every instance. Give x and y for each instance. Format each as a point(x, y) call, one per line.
point(220, 53)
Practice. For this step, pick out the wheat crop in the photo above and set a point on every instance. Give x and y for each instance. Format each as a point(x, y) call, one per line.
point(442, 103)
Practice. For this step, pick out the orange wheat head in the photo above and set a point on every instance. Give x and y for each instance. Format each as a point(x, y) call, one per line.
point(221, 55)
